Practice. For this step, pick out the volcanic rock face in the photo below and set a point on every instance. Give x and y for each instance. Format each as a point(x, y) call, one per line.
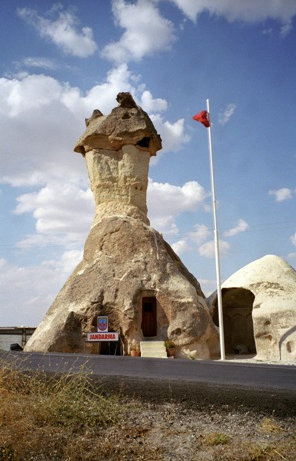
point(259, 304)
point(117, 150)
point(125, 261)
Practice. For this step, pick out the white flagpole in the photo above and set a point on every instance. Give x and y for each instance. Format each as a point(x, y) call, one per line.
point(216, 239)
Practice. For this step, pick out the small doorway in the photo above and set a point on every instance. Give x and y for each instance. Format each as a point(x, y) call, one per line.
point(110, 348)
point(238, 322)
point(149, 317)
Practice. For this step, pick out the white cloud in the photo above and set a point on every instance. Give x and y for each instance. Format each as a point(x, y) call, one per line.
point(268, 31)
point(47, 116)
point(63, 211)
point(62, 31)
point(165, 224)
point(37, 151)
point(286, 29)
point(36, 143)
point(208, 249)
point(281, 194)
point(293, 239)
point(66, 264)
point(208, 286)
point(226, 114)
point(166, 202)
point(197, 237)
point(248, 11)
point(149, 104)
point(28, 93)
point(172, 134)
point(118, 79)
point(180, 247)
point(200, 234)
point(63, 214)
point(32, 292)
point(39, 62)
point(241, 226)
point(292, 255)
point(146, 31)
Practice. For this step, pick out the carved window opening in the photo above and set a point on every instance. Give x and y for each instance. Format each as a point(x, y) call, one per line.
point(144, 142)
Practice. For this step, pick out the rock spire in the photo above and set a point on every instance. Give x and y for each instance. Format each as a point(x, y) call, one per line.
point(128, 271)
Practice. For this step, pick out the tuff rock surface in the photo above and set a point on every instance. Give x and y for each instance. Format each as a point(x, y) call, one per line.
point(268, 287)
point(124, 258)
point(127, 124)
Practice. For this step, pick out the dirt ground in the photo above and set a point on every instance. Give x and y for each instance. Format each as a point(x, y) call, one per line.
point(176, 431)
point(74, 419)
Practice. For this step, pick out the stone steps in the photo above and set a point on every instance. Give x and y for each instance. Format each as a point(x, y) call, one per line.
point(154, 349)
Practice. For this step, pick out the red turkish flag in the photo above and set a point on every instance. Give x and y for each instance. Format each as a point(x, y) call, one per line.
point(203, 117)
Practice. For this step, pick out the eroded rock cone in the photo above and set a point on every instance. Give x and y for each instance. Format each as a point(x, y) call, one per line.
point(259, 310)
point(128, 271)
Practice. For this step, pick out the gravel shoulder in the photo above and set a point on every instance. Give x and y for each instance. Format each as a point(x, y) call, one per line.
point(178, 431)
point(76, 418)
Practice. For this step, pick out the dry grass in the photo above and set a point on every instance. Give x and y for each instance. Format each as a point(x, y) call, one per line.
point(217, 438)
point(268, 426)
point(45, 417)
point(69, 419)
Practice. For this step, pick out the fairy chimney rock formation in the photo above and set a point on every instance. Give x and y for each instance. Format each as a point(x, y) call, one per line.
point(128, 271)
point(117, 149)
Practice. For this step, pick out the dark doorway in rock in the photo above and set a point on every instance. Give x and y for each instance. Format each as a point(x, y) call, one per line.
point(238, 322)
point(149, 317)
point(110, 348)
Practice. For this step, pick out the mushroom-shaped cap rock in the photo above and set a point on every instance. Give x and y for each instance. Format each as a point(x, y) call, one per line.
point(127, 124)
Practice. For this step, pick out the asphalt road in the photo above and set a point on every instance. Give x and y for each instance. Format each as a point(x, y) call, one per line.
point(265, 386)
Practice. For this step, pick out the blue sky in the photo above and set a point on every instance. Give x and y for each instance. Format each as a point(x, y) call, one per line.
point(59, 61)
